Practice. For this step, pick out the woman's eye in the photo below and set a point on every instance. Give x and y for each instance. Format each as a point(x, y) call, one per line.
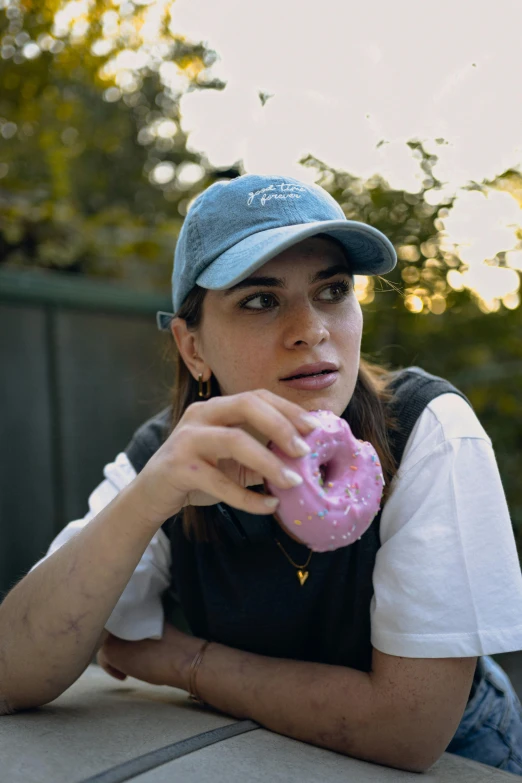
point(343, 288)
point(340, 289)
point(262, 297)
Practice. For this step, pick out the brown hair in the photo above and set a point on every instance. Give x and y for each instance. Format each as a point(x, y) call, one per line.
point(367, 413)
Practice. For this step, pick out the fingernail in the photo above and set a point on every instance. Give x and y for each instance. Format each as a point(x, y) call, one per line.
point(271, 502)
point(301, 446)
point(311, 421)
point(291, 476)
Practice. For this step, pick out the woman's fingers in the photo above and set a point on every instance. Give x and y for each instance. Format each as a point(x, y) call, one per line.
point(244, 476)
point(281, 421)
point(114, 672)
point(107, 667)
point(221, 443)
point(222, 429)
point(227, 491)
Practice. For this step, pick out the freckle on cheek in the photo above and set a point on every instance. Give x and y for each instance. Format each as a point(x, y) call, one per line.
point(194, 467)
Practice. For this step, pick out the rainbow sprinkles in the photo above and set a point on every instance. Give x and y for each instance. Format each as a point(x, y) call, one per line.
point(338, 509)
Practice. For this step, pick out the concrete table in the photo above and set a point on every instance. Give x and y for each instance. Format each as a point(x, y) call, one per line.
point(104, 731)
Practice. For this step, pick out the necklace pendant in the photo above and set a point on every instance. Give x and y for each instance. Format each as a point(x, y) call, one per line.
point(302, 576)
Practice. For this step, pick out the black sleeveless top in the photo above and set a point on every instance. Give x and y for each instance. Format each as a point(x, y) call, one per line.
point(244, 593)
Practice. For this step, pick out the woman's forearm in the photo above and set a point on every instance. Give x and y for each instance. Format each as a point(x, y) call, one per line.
point(330, 706)
point(51, 622)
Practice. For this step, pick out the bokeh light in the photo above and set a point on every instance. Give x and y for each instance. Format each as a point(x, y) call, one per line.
point(480, 226)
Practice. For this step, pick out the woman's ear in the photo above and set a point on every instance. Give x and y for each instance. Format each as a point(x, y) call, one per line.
point(186, 344)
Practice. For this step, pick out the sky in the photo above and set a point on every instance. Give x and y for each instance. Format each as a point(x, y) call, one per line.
point(349, 83)
point(345, 76)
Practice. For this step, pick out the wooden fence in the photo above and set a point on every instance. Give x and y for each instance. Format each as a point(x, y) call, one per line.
point(82, 365)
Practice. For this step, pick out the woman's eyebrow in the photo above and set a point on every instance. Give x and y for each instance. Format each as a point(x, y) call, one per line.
point(279, 282)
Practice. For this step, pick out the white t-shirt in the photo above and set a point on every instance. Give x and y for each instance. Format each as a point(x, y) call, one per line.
point(447, 579)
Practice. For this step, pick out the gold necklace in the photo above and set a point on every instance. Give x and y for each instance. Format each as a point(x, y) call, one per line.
point(301, 574)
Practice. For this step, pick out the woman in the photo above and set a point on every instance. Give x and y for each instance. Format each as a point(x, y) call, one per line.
point(379, 650)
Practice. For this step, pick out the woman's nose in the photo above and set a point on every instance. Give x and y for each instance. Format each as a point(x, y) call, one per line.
point(305, 325)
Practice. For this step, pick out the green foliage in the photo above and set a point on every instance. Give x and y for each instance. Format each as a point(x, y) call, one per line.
point(76, 166)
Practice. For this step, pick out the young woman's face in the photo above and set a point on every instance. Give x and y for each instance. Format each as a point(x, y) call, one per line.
point(255, 334)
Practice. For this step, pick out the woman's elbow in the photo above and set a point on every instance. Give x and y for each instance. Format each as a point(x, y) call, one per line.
point(413, 761)
point(7, 697)
point(408, 750)
point(419, 767)
point(13, 701)
point(409, 763)
point(5, 706)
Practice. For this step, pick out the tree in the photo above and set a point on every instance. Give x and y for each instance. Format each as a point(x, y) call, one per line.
point(95, 173)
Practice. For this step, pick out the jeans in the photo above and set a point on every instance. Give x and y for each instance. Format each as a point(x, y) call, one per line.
point(491, 728)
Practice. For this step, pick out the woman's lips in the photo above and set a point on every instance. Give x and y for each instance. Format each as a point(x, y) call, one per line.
point(313, 382)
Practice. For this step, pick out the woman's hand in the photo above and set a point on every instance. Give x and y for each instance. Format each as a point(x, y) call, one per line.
point(211, 457)
point(160, 662)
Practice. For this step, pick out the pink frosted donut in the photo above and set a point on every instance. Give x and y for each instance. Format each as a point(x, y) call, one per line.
point(341, 490)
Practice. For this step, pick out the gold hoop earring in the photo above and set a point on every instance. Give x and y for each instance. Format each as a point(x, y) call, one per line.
point(205, 394)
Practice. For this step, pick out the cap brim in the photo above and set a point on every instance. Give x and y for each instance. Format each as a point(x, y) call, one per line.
point(369, 251)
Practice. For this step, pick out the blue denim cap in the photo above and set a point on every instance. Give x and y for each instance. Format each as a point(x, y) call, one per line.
point(236, 226)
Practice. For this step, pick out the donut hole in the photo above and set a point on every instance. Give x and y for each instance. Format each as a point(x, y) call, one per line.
point(331, 471)
point(324, 470)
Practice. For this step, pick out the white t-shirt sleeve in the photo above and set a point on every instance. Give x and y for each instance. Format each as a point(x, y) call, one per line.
point(139, 611)
point(447, 579)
